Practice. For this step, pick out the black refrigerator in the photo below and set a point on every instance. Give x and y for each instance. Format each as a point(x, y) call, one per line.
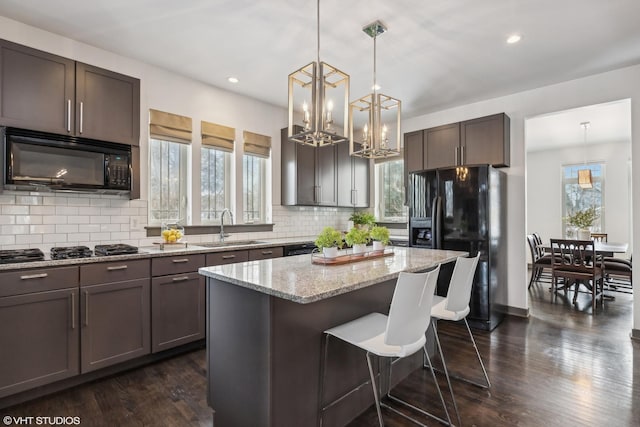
point(464, 208)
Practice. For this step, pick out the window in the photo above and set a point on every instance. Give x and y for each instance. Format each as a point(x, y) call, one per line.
point(214, 178)
point(168, 175)
point(253, 188)
point(390, 191)
point(575, 198)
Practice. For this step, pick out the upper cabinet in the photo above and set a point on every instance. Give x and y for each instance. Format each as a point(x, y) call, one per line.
point(353, 179)
point(485, 140)
point(308, 174)
point(45, 92)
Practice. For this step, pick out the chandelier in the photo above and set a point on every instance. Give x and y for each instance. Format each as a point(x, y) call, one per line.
point(584, 175)
point(318, 102)
point(374, 119)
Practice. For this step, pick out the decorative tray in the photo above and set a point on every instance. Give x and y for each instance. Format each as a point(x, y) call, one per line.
point(171, 244)
point(347, 257)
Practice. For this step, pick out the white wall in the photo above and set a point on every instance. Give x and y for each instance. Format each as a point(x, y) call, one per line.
point(605, 87)
point(544, 189)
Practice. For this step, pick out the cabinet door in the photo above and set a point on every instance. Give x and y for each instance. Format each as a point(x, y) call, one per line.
point(344, 175)
point(115, 321)
point(266, 253)
point(327, 192)
point(442, 146)
point(352, 174)
point(361, 182)
point(108, 105)
point(413, 152)
point(38, 339)
point(36, 89)
point(177, 310)
point(486, 140)
point(306, 175)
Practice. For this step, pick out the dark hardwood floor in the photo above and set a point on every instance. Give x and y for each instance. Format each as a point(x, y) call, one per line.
point(560, 367)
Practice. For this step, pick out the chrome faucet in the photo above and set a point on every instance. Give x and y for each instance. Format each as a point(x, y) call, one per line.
point(225, 210)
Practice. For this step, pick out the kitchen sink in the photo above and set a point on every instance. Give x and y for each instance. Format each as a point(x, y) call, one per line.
point(229, 243)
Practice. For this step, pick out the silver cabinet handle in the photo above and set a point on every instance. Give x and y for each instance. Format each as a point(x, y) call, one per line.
point(33, 276)
point(81, 115)
point(462, 155)
point(456, 155)
point(73, 310)
point(117, 267)
point(68, 115)
point(180, 261)
point(86, 308)
point(354, 197)
point(180, 279)
point(228, 256)
point(267, 252)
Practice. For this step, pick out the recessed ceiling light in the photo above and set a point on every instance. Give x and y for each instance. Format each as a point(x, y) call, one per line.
point(233, 80)
point(514, 38)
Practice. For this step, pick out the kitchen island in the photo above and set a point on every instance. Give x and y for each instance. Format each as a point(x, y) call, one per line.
point(264, 332)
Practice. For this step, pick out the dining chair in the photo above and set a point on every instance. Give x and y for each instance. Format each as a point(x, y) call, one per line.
point(576, 263)
point(398, 335)
point(618, 274)
point(539, 259)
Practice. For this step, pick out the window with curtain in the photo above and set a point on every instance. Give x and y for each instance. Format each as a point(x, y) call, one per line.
point(257, 149)
point(215, 170)
point(169, 154)
point(390, 191)
point(576, 198)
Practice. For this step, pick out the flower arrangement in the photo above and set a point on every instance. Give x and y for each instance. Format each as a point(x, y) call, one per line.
point(582, 219)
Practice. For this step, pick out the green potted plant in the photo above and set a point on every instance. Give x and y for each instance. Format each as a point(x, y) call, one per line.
point(380, 237)
point(362, 219)
point(357, 238)
point(583, 220)
point(329, 240)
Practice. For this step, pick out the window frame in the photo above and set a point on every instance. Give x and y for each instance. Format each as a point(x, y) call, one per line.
point(263, 162)
point(598, 177)
point(227, 161)
point(184, 183)
point(381, 197)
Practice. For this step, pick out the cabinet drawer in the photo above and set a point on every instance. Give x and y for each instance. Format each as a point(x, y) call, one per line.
point(38, 279)
point(230, 257)
point(114, 271)
point(176, 264)
point(265, 253)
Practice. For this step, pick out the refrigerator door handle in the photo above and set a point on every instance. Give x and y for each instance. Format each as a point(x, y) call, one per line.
point(436, 223)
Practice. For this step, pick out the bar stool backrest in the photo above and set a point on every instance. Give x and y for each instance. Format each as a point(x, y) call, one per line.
point(459, 292)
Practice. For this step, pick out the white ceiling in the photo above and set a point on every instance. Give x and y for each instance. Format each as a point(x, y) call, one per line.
point(436, 54)
point(608, 123)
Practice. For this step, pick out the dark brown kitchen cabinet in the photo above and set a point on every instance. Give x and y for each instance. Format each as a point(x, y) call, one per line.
point(177, 301)
point(115, 303)
point(39, 328)
point(41, 91)
point(308, 174)
point(229, 257)
point(413, 157)
point(266, 253)
point(37, 89)
point(353, 179)
point(486, 140)
point(442, 146)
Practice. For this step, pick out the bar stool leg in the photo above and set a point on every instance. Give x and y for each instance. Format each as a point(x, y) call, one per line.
point(375, 390)
point(434, 322)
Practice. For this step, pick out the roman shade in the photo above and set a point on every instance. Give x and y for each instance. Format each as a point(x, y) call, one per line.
point(217, 136)
point(169, 127)
point(256, 144)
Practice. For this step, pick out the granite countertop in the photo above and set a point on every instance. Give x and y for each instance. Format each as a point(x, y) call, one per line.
point(297, 279)
point(155, 251)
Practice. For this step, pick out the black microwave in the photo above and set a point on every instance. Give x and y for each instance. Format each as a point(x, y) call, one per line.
point(37, 161)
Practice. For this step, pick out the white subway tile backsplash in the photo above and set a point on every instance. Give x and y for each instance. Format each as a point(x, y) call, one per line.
point(66, 210)
point(79, 237)
point(67, 228)
point(7, 219)
point(54, 238)
point(100, 202)
point(96, 219)
point(89, 228)
point(28, 219)
point(42, 210)
point(88, 211)
point(54, 219)
point(7, 199)
point(100, 237)
point(28, 200)
point(6, 239)
point(14, 210)
point(14, 229)
point(42, 229)
point(28, 239)
point(79, 219)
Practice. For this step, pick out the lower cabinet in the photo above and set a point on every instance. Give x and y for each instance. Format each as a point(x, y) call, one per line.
point(115, 319)
point(115, 313)
point(38, 339)
point(177, 301)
